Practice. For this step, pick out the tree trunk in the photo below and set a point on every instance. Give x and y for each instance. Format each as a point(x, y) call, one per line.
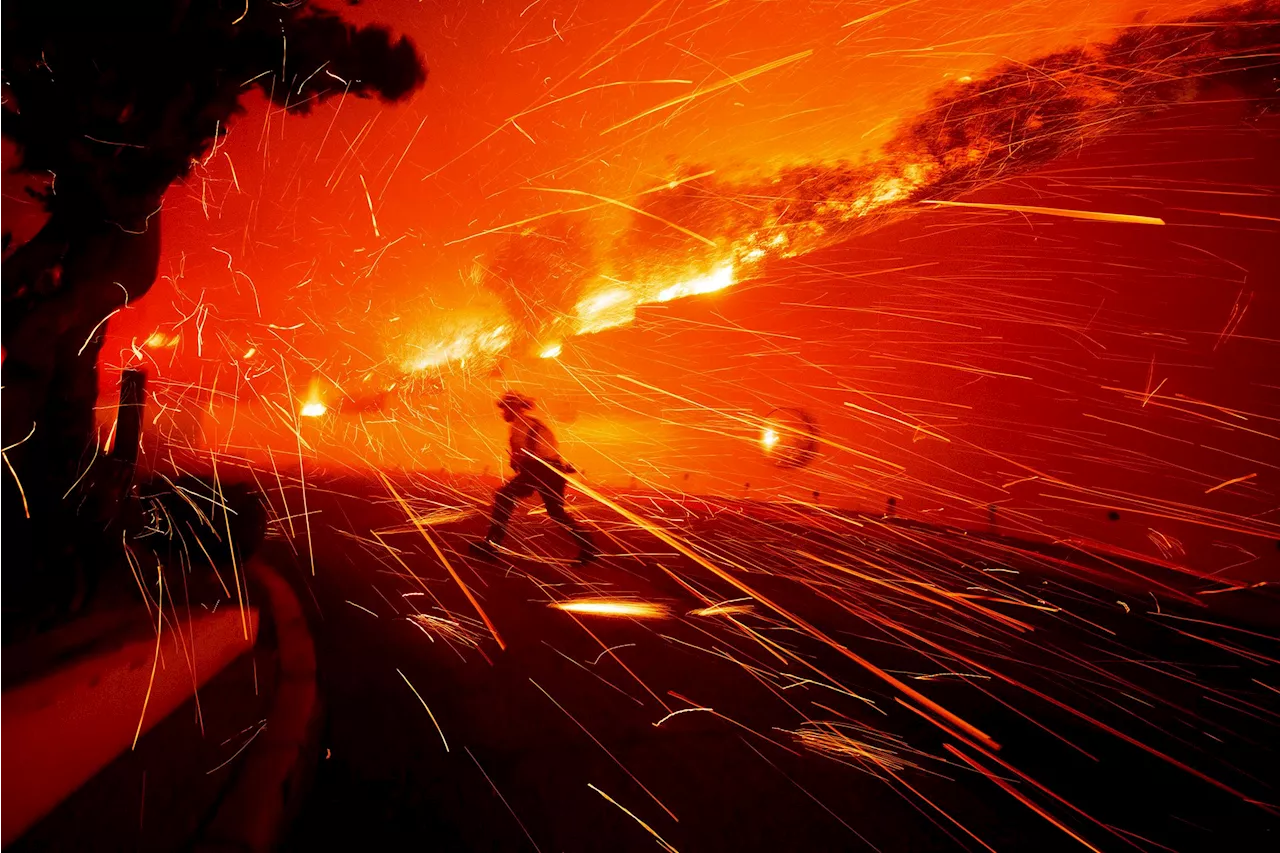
point(59, 291)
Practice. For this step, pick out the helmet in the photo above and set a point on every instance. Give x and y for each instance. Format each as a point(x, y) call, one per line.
point(515, 401)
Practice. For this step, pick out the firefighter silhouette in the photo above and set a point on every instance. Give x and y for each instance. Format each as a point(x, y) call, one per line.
point(538, 466)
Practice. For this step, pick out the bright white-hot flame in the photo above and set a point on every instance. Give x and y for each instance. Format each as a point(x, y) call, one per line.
point(603, 301)
point(614, 607)
point(616, 305)
point(312, 405)
point(605, 309)
point(718, 279)
point(613, 305)
point(769, 438)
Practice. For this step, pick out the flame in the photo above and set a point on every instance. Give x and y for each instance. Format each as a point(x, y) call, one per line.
point(612, 305)
point(815, 208)
point(614, 607)
point(605, 309)
point(769, 438)
point(312, 405)
point(479, 337)
point(615, 304)
point(718, 279)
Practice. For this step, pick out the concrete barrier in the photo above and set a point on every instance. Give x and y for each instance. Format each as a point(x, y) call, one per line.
point(63, 727)
point(275, 773)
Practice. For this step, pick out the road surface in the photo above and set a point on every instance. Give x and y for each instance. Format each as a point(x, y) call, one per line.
point(813, 680)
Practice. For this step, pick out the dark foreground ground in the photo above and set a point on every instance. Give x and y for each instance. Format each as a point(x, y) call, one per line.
point(1129, 711)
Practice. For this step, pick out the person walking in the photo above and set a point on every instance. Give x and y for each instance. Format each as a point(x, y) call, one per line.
point(535, 458)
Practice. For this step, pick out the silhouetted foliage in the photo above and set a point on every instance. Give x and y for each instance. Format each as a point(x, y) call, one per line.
point(116, 100)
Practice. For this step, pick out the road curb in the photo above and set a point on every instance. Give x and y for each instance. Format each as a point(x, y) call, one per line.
point(277, 770)
point(83, 713)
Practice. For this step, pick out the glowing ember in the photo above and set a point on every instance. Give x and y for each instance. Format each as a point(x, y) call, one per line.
point(857, 745)
point(614, 607)
point(159, 340)
point(769, 438)
point(452, 630)
point(723, 609)
point(551, 351)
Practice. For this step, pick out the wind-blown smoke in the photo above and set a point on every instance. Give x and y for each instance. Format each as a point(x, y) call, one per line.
point(537, 272)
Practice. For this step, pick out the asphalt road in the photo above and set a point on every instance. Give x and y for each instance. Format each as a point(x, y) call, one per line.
point(889, 687)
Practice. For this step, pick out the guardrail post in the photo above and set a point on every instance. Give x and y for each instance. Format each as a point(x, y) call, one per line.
point(133, 402)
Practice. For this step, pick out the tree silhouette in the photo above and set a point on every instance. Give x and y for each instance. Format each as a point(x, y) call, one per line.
point(114, 102)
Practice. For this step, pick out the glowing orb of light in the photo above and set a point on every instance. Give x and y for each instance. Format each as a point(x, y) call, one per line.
point(551, 351)
point(789, 438)
point(614, 607)
point(312, 403)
